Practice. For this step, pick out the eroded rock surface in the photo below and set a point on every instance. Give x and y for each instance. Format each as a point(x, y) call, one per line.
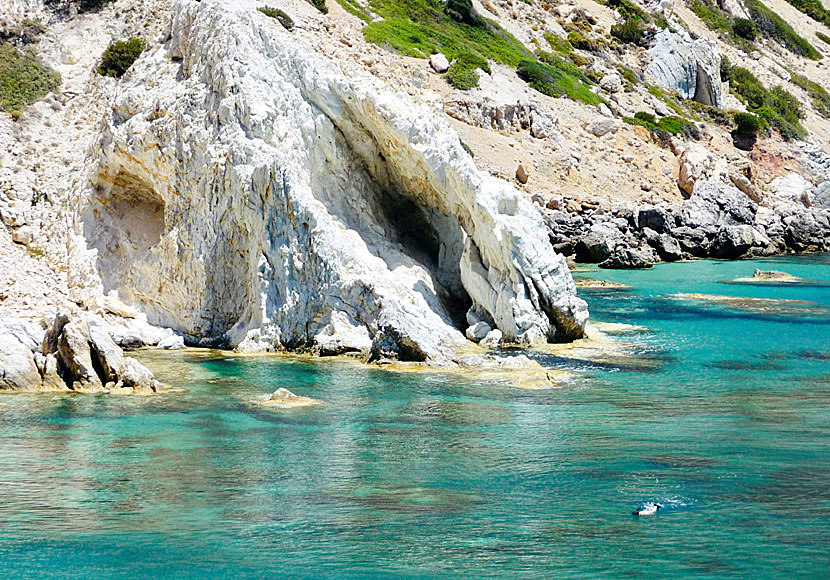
point(689, 66)
point(254, 193)
point(68, 356)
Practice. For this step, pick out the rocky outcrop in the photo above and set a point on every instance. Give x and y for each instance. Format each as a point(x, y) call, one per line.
point(718, 220)
point(489, 114)
point(691, 67)
point(253, 193)
point(69, 356)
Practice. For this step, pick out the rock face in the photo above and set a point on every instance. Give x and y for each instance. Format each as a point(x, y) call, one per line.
point(70, 355)
point(255, 193)
point(691, 67)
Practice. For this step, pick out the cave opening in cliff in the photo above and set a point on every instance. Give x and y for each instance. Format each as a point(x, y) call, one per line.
point(125, 222)
point(436, 241)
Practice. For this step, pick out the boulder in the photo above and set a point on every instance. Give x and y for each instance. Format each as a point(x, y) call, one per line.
point(655, 218)
point(807, 231)
point(285, 399)
point(493, 339)
point(478, 331)
point(821, 198)
point(689, 66)
point(543, 126)
point(71, 341)
point(18, 371)
point(174, 342)
point(611, 83)
point(439, 63)
point(47, 366)
point(695, 241)
point(603, 126)
point(625, 258)
point(521, 174)
point(667, 247)
point(744, 184)
point(732, 241)
point(108, 356)
point(595, 247)
point(697, 164)
point(793, 187)
point(23, 235)
point(138, 377)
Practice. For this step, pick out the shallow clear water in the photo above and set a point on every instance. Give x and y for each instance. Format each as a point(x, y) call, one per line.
point(724, 418)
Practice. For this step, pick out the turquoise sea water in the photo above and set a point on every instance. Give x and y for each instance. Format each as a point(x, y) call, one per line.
point(724, 418)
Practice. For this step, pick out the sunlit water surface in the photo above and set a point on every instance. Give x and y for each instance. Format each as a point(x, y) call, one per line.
point(421, 476)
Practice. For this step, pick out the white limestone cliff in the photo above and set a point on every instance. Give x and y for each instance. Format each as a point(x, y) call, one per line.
point(251, 191)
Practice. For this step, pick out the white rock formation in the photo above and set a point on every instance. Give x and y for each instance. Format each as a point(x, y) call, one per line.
point(691, 67)
point(251, 191)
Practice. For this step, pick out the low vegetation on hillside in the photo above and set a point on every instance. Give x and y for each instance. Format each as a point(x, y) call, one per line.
point(776, 107)
point(559, 79)
point(24, 79)
point(742, 32)
point(420, 28)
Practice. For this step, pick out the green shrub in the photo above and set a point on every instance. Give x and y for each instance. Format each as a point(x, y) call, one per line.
point(628, 10)
point(818, 94)
point(744, 28)
point(462, 73)
point(725, 67)
point(629, 32)
point(556, 82)
point(24, 79)
point(582, 42)
point(81, 5)
point(560, 63)
point(748, 124)
point(462, 11)
point(26, 32)
point(424, 29)
point(770, 24)
point(671, 98)
point(120, 56)
point(823, 37)
point(666, 126)
point(559, 44)
point(279, 15)
point(320, 5)
point(712, 16)
point(628, 74)
point(647, 117)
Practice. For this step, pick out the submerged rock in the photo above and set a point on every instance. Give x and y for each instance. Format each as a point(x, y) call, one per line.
point(297, 202)
point(774, 277)
point(285, 399)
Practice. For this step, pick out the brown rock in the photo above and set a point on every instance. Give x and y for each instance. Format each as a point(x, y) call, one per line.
point(521, 174)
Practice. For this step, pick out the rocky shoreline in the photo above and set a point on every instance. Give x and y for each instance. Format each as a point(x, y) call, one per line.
point(69, 353)
point(719, 219)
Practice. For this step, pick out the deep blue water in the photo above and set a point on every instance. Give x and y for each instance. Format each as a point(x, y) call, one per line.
point(723, 417)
